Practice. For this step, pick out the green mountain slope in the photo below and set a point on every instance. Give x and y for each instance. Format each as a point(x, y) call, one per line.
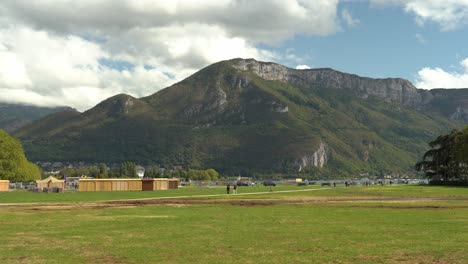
point(244, 116)
point(15, 116)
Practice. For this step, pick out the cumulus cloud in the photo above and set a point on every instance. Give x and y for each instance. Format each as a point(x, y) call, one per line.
point(39, 68)
point(77, 53)
point(449, 14)
point(302, 67)
point(247, 19)
point(438, 78)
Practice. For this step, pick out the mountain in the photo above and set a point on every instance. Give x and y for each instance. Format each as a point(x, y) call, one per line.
point(248, 117)
point(15, 116)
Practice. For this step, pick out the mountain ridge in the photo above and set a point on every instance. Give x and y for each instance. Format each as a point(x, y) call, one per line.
point(14, 116)
point(403, 91)
point(244, 116)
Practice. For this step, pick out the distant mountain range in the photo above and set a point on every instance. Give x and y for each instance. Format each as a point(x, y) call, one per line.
point(15, 116)
point(247, 117)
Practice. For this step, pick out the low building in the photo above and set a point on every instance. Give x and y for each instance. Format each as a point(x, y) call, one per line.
point(145, 184)
point(150, 184)
point(107, 185)
point(4, 185)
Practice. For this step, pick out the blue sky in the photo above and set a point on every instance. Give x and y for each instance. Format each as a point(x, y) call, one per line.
point(78, 53)
point(387, 42)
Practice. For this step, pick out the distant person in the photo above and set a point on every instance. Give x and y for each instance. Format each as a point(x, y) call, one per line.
point(234, 189)
point(228, 188)
point(334, 185)
point(346, 183)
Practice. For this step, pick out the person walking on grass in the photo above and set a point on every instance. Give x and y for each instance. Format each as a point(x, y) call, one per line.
point(334, 185)
point(228, 188)
point(234, 189)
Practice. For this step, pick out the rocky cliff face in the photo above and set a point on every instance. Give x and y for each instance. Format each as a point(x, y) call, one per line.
point(318, 158)
point(461, 113)
point(452, 103)
point(392, 90)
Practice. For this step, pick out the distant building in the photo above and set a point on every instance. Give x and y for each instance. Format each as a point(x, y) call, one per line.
point(57, 165)
point(140, 170)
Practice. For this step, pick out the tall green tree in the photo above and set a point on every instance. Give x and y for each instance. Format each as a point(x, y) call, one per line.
point(94, 171)
point(445, 157)
point(214, 175)
point(128, 170)
point(13, 163)
point(103, 171)
point(153, 172)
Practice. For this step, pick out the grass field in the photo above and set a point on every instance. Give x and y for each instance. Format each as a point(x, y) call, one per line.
point(76, 196)
point(401, 224)
point(376, 191)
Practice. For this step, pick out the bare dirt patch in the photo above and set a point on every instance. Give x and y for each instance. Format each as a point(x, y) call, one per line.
point(389, 203)
point(409, 259)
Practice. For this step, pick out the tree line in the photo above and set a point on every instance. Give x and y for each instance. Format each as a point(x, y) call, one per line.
point(128, 170)
point(446, 162)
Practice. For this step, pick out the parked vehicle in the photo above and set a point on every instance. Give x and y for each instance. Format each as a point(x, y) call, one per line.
point(269, 183)
point(242, 183)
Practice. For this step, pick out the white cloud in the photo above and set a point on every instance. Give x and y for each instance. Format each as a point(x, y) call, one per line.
point(259, 21)
point(51, 52)
point(39, 68)
point(428, 78)
point(302, 67)
point(348, 18)
point(449, 14)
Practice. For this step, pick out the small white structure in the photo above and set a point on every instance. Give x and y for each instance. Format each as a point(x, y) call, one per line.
point(140, 171)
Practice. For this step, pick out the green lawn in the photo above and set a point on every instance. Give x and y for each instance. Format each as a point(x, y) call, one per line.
point(374, 191)
point(76, 196)
point(395, 191)
point(386, 231)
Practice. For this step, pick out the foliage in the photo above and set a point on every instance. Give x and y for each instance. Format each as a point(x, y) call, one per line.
point(13, 163)
point(202, 175)
point(446, 158)
point(93, 172)
point(74, 172)
point(153, 172)
point(214, 175)
point(128, 170)
point(102, 171)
